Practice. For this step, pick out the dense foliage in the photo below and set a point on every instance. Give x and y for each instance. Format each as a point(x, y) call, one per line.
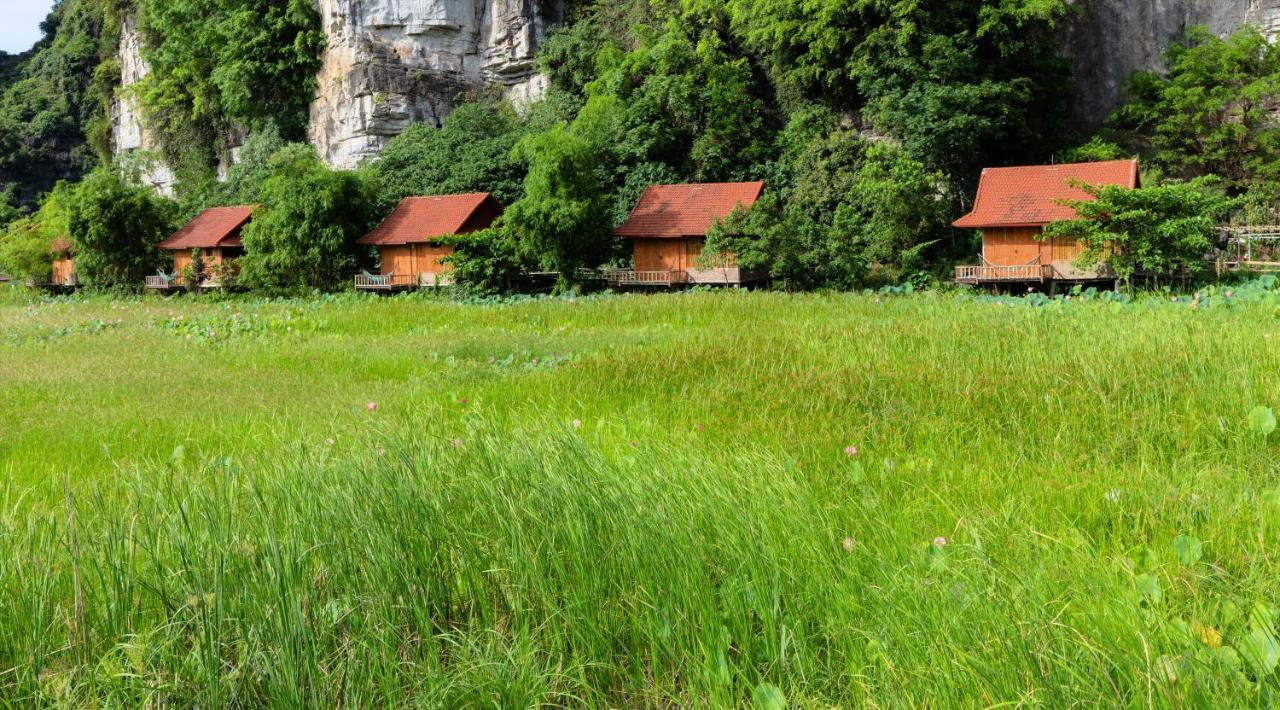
point(114, 227)
point(1158, 230)
point(303, 235)
point(1212, 113)
point(225, 65)
point(27, 243)
point(55, 99)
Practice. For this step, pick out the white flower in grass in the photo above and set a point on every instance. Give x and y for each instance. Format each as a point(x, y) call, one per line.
point(848, 544)
point(939, 542)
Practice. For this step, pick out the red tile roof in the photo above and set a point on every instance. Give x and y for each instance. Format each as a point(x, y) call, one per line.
point(215, 227)
point(422, 219)
point(61, 245)
point(672, 211)
point(1031, 196)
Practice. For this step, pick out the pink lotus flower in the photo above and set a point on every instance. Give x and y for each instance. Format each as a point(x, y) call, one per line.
point(848, 544)
point(372, 407)
point(699, 428)
point(939, 542)
point(850, 451)
point(462, 401)
point(577, 423)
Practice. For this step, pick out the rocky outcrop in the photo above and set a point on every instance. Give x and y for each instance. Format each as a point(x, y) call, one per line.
point(130, 139)
point(391, 63)
point(1108, 40)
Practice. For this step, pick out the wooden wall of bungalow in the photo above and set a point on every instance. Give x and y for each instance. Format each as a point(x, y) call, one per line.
point(675, 254)
point(427, 256)
point(1017, 246)
point(62, 270)
point(212, 257)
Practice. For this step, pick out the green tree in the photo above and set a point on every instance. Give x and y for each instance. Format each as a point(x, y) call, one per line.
point(962, 83)
point(561, 222)
point(1158, 230)
point(55, 100)
point(471, 152)
point(221, 64)
point(1212, 113)
point(303, 235)
point(114, 227)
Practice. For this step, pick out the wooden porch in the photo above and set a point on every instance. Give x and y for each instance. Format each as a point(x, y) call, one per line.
point(725, 276)
point(55, 284)
point(174, 284)
point(397, 283)
point(1035, 272)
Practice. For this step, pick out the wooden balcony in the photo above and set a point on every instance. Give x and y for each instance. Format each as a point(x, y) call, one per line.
point(394, 283)
point(658, 279)
point(987, 273)
point(156, 282)
point(56, 283)
point(723, 276)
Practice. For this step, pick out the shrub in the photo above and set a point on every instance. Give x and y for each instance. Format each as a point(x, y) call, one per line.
point(303, 235)
point(1158, 230)
point(114, 227)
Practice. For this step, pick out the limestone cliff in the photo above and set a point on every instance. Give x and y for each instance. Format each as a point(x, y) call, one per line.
point(129, 137)
point(391, 63)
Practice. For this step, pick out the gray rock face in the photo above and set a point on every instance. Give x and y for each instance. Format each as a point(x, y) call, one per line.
point(1111, 39)
point(130, 139)
point(391, 63)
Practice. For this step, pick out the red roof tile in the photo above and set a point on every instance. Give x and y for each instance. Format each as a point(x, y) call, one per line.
point(215, 227)
point(1031, 196)
point(672, 211)
point(422, 219)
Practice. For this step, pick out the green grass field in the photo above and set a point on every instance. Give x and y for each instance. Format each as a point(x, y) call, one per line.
point(639, 501)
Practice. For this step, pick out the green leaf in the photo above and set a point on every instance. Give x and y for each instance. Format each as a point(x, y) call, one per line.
point(1262, 421)
point(1261, 650)
point(1149, 587)
point(1188, 549)
point(768, 697)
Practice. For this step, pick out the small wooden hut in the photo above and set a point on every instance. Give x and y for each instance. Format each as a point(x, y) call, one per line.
point(62, 270)
point(216, 233)
point(668, 233)
point(409, 241)
point(1013, 207)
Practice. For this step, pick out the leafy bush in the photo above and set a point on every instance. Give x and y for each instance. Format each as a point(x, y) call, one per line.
point(303, 236)
point(1212, 113)
point(114, 228)
point(561, 222)
point(1158, 230)
point(488, 262)
point(26, 243)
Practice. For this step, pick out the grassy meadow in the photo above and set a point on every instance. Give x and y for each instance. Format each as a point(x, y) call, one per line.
point(693, 500)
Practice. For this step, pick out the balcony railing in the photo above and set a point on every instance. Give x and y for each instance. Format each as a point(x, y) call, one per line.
point(156, 282)
point(647, 278)
point(401, 282)
point(985, 273)
point(69, 282)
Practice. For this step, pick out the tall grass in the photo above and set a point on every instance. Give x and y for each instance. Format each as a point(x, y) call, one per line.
point(641, 502)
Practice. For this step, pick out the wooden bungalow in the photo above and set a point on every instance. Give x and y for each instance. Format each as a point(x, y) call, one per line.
point(62, 269)
point(1013, 207)
point(216, 233)
point(409, 241)
point(668, 232)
